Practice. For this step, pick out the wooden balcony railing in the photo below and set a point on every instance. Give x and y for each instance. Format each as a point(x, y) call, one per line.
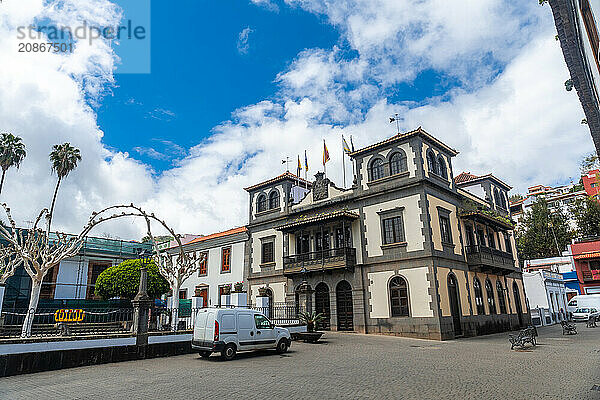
point(482, 256)
point(343, 257)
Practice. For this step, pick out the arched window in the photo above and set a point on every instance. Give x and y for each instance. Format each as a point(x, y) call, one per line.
point(478, 297)
point(443, 171)
point(377, 169)
point(497, 197)
point(397, 163)
point(399, 297)
point(503, 200)
point(501, 298)
point(261, 203)
point(489, 291)
point(274, 199)
point(432, 163)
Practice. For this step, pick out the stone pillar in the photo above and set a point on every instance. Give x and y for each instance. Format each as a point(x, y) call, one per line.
point(262, 304)
point(141, 304)
point(239, 299)
point(305, 297)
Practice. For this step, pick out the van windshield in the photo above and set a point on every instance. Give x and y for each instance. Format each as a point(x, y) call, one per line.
point(582, 310)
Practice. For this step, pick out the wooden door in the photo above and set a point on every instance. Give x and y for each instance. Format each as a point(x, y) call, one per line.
point(322, 304)
point(345, 316)
point(454, 304)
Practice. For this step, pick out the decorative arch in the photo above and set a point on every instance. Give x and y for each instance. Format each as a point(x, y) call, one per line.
point(274, 199)
point(443, 170)
point(454, 300)
point(399, 298)
point(432, 164)
point(501, 298)
point(398, 162)
point(261, 203)
point(478, 296)
point(489, 291)
point(376, 169)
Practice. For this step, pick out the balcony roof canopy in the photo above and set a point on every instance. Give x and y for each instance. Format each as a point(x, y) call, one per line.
point(313, 218)
point(486, 219)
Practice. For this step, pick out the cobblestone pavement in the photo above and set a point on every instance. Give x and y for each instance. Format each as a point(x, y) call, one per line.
point(348, 366)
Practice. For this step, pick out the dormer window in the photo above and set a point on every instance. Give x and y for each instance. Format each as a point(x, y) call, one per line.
point(261, 203)
point(377, 169)
point(274, 199)
point(398, 163)
point(443, 171)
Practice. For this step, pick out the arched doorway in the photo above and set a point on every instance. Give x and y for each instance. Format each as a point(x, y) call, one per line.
point(322, 304)
point(518, 303)
point(453, 295)
point(269, 293)
point(345, 316)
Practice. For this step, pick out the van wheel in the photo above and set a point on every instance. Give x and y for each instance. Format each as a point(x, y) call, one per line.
point(282, 346)
point(205, 354)
point(228, 352)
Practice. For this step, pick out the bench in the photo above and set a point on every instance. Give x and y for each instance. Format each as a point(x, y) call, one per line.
point(526, 335)
point(568, 328)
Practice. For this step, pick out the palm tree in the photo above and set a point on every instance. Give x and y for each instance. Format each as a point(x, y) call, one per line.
point(12, 153)
point(64, 158)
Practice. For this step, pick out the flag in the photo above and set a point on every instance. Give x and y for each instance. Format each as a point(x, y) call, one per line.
point(305, 162)
point(325, 153)
point(345, 146)
point(299, 166)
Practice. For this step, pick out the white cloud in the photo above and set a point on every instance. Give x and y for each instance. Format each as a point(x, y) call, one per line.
point(513, 119)
point(243, 44)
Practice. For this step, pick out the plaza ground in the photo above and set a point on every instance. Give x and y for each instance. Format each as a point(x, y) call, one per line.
point(348, 366)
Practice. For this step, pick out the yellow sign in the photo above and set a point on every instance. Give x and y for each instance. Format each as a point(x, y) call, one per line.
point(69, 315)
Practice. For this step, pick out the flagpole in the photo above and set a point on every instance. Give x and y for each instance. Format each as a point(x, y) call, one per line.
point(344, 161)
point(352, 149)
point(324, 162)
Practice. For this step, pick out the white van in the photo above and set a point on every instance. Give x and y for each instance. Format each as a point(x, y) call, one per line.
point(229, 330)
point(583, 301)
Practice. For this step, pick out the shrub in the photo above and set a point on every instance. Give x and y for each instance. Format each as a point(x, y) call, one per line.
point(123, 280)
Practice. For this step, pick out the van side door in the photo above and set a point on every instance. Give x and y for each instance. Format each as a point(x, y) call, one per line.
point(265, 334)
point(246, 331)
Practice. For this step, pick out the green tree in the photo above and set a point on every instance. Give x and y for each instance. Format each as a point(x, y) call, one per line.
point(123, 281)
point(589, 163)
point(542, 233)
point(64, 158)
point(587, 214)
point(12, 153)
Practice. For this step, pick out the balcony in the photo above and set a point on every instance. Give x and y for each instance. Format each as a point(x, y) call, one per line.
point(590, 275)
point(330, 259)
point(486, 259)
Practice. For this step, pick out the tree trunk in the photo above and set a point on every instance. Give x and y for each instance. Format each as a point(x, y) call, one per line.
point(2, 181)
point(51, 214)
point(175, 308)
point(36, 287)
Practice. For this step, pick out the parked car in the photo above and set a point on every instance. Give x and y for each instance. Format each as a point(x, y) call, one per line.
point(584, 301)
point(585, 313)
point(229, 330)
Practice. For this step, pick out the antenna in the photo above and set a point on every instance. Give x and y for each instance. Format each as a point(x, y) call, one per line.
point(396, 119)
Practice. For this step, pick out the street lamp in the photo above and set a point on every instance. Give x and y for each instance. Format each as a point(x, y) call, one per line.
point(145, 261)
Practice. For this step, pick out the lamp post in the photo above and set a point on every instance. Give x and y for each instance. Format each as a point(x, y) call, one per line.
point(141, 304)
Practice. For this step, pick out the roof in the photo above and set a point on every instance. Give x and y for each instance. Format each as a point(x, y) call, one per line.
point(593, 254)
point(218, 234)
point(402, 136)
point(465, 177)
point(322, 216)
point(285, 176)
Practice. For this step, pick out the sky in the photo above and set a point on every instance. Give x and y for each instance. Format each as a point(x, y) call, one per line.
point(233, 87)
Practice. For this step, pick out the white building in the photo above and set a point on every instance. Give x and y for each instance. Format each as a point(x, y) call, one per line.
point(223, 266)
point(546, 295)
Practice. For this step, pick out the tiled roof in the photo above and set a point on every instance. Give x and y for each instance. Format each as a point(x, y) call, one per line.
point(285, 176)
point(468, 177)
point(315, 217)
point(218, 234)
point(465, 177)
point(402, 136)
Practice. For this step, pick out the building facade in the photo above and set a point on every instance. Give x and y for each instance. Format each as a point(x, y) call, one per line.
point(223, 256)
point(586, 255)
point(407, 250)
point(546, 294)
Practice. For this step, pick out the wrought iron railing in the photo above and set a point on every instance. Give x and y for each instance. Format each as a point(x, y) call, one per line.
point(347, 255)
point(477, 254)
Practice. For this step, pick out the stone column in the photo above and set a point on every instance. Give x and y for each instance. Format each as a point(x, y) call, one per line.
point(141, 304)
point(305, 297)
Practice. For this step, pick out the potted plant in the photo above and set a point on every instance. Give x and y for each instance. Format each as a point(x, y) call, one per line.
point(311, 319)
point(226, 289)
point(262, 291)
point(238, 287)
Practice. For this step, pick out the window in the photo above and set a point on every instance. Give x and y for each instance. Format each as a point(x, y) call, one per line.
point(432, 163)
point(222, 291)
point(502, 200)
point(261, 322)
point(501, 298)
point(376, 169)
point(442, 168)
point(226, 259)
point(470, 236)
point(481, 237)
point(202, 269)
point(478, 297)
point(507, 243)
point(322, 243)
point(399, 297)
point(393, 230)
point(397, 163)
point(274, 199)
point(261, 203)
point(445, 229)
point(489, 290)
point(182, 294)
point(302, 243)
point(268, 252)
point(491, 241)
point(340, 237)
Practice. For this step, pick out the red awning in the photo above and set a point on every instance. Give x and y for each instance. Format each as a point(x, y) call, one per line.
point(593, 254)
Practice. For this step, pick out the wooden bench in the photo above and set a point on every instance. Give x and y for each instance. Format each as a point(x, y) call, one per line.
point(526, 335)
point(568, 328)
